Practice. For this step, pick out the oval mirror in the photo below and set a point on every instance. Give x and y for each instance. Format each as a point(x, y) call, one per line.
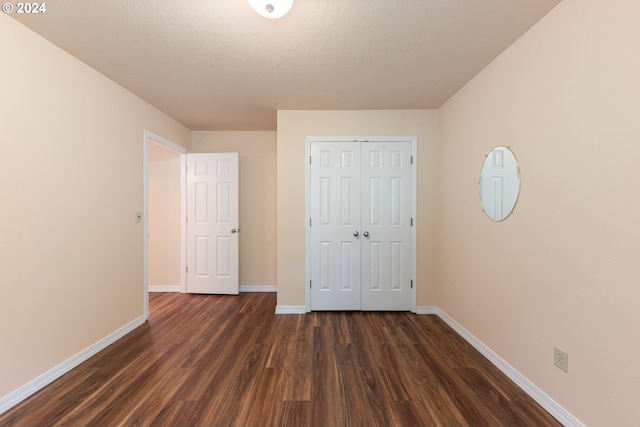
point(499, 183)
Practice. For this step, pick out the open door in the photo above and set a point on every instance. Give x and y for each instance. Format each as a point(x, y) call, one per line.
point(212, 223)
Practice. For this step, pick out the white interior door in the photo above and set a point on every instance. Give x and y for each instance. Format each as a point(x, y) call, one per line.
point(360, 225)
point(212, 223)
point(386, 226)
point(335, 226)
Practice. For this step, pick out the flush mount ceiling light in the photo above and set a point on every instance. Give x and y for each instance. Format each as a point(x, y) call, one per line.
point(271, 8)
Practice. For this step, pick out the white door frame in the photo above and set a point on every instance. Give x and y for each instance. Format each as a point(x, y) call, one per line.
point(152, 137)
point(414, 202)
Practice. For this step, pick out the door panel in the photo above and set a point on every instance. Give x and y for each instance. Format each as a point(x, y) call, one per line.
point(212, 212)
point(335, 207)
point(386, 280)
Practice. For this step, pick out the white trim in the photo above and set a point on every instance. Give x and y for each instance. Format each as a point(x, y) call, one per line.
point(307, 230)
point(145, 226)
point(163, 141)
point(183, 223)
point(47, 378)
point(164, 288)
point(258, 288)
point(291, 309)
point(242, 289)
point(426, 309)
point(150, 136)
point(414, 229)
point(414, 205)
point(538, 395)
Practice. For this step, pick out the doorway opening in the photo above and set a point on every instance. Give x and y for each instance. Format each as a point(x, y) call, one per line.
point(162, 151)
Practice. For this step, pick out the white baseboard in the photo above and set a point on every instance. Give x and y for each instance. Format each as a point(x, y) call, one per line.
point(242, 288)
point(291, 309)
point(164, 288)
point(426, 309)
point(258, 288)
point(47, 378)
point(538, 395)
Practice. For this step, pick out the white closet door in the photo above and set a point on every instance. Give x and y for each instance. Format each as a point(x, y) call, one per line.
point(386, 226)
point(335, 217)
point(212, 223)
point(360, 225)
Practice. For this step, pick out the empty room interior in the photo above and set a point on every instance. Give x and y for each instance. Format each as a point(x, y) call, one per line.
point(102, 104)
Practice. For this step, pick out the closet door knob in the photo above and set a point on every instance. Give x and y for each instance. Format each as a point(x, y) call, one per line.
point(365, 234)
point(233, 230)
point(355, 233)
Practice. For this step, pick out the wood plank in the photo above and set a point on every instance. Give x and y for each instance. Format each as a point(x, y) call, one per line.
point(261, 403)
point(150, 404)
point(411, 414)
point(328, 406)
point(297, 385)
point(294, 414)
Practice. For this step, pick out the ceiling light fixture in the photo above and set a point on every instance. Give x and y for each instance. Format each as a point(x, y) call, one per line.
point(271, 8)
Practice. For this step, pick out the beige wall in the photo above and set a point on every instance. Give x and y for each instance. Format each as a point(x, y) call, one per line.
point(564, 269)
point(293, 127)
point(257, 161)
point(164, 217)
point(71, 177)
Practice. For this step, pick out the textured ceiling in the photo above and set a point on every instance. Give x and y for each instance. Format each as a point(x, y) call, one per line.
point(218, 65)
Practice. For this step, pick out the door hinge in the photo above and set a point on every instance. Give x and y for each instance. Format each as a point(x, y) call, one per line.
point(187, 219)
point(412, 284)
point(309, 159)
point(412, 222)
point(187, 269)
point(309, 284)
point(309, 222)
point(411, 159)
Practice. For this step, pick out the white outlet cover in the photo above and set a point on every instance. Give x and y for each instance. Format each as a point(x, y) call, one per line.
point(561, 359)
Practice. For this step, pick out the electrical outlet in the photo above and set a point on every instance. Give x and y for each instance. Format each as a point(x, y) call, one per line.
point(561, 359)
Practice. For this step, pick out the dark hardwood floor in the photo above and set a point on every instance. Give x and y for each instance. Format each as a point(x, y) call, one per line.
point(230, 361)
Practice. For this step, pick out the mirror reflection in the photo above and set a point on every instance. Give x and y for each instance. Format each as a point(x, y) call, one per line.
point(499, 183)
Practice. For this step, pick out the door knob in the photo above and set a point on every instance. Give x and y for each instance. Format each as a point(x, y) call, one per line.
point(355, 233)
point(233, 230)
point(365, 234)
